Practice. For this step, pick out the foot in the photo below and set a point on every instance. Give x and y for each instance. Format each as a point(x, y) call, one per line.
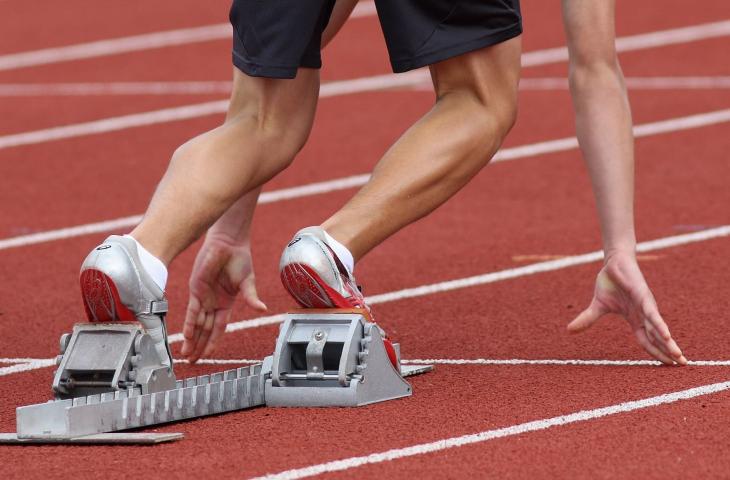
point(313, 274)
point(116, 288)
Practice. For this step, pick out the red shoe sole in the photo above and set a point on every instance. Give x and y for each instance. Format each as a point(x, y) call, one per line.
point(309, 290)
point(101, 299)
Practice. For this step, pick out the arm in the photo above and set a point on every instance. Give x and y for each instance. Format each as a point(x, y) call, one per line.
point(222, 269)
point(604, 130)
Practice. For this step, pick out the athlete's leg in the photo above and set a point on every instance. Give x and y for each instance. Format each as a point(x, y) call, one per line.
point(475, 108)
point(267, 123)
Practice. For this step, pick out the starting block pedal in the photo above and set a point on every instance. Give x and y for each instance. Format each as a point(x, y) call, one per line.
point(105, 357)
point(110, 379)
point(326, 359)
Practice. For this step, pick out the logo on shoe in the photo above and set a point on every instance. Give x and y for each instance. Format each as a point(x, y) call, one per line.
point(103, 247)
point(294, 241)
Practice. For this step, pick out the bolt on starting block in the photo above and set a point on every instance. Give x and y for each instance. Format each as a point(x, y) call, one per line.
point(110, 379)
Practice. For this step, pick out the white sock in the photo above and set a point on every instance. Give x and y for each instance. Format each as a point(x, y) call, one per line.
point(152, 265)
point(342, 252)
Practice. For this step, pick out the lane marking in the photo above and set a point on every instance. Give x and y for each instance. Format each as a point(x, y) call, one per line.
point(486, 435)
point(222, 31)
point(642, 41)
point(541, 257)
point(187, 112)
point(225, 88)
point(557, 362)
point(27, 364)
point(344, 183)
point(378, 82)
point(135, 43)
point(26, 367)
point(115, 88)
point(453, 361)
point(634, 83)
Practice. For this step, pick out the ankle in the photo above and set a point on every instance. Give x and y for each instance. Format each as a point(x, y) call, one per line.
point(342, 252)
point(154, 267)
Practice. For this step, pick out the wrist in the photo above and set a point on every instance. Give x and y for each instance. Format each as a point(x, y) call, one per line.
point(619, 251)
point(228, 238)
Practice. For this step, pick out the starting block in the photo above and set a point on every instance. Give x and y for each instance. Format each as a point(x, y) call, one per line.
point(109, 379)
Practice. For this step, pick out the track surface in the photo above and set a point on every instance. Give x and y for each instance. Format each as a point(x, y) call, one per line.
point(513, 214)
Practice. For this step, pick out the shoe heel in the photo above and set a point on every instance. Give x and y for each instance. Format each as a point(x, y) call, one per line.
point(101, 298)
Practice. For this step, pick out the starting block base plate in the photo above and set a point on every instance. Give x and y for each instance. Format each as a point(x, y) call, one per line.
point(411, 370)
point(97, 439)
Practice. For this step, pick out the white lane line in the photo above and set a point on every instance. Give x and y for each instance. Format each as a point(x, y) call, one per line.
point(455, 361)
point(513, 153)
point(633, 83)
point(486, 435)
point(450, 285)
point(557, 362)
point(186, 112)
point(221, 361)
point(222, 31)
point(378, 82)
point(25, 367)
point(642, 41)
point(493, 277)
point(115, 88)
point(125, 222)
point(224, 88)
point(27, 364)
point(134, 43)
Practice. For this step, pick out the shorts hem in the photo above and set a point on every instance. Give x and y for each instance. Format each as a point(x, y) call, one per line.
point(255, 69)
point(422, 60)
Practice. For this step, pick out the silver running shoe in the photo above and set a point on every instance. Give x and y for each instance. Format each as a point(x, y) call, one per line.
point(116, 288)
point(314, 276)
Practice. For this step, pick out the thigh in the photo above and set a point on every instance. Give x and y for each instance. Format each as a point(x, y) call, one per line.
point(273, 38)
point(423, 32)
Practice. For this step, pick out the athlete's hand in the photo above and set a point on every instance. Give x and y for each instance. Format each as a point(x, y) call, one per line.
point(621, 289)
point(222, 269)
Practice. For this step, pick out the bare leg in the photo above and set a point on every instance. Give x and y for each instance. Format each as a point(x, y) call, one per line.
point(475, 108)
point(267, 124)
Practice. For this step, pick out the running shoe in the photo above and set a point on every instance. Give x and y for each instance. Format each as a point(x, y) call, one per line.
point(314, 276)
point(116, 288)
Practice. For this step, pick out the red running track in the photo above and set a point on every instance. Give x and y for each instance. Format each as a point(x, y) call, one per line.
point(512, 214)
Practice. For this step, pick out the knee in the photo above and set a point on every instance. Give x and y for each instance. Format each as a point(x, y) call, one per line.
point(272, 140)
point(486, 121)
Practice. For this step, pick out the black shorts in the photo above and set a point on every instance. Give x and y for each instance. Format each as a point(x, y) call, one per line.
point(273, 38)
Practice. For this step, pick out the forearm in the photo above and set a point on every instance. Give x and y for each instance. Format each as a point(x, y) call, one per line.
point(602, 117)
point(603, 127)
point(235, 224)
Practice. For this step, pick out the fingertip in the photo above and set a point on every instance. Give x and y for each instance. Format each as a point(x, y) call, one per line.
point(575, 327)
point(682, 361)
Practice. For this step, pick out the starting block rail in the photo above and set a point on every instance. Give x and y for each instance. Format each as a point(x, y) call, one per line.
point(322, 358)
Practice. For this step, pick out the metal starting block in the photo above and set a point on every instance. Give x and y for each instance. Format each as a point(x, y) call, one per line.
point(106, 357)
point(109, 379)
point(325, 359)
